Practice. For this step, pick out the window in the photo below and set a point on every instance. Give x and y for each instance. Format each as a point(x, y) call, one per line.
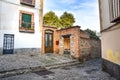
point(114, 10)
point(28, 2)
point(26, 22)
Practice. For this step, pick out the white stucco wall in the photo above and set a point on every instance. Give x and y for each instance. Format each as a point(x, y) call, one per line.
point(9, 24)
point(111, 46)
point(110, 38)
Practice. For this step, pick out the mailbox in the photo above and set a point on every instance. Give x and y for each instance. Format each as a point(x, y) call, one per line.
point(57, 42)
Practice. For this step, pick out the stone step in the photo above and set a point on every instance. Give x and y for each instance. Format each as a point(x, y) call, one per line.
point(37, 68)
point(62, 65)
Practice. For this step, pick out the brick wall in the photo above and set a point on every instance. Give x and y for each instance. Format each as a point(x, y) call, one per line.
point(55, 38)
point(81, 46)
point(58, 40)
point(74, 40)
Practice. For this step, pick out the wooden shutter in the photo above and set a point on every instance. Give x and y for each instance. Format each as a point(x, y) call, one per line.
point(114, 10)
point(26, 20)
point(28, 2)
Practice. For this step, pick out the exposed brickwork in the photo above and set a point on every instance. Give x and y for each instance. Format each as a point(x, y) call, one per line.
point(54, 38)
point(84, 34)
point(58, 37)
point(74, 40)
point(81, 46)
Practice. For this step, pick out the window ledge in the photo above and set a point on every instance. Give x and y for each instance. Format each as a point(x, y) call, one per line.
point(117, 19)
point(26, 30)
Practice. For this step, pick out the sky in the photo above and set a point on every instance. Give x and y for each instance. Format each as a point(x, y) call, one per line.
point(86, 12)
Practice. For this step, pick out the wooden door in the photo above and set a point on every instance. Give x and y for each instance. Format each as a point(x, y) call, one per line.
point(67, 43)
point(48, 42)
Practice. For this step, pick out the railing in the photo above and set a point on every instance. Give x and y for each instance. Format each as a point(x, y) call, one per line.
point(26, 27)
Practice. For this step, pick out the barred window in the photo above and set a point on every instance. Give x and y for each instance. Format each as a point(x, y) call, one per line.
point(114, 10)
point(28, 2)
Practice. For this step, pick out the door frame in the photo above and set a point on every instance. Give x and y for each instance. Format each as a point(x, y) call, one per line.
point(48, 31)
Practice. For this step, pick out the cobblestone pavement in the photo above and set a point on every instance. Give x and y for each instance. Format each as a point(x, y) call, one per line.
point(90, 70)
point(17, 61)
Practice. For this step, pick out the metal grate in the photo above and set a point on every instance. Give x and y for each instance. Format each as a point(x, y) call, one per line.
point(8, 45)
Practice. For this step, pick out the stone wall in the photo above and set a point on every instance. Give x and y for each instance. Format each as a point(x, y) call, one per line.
point(85, 48)
point(28, 51)
point(95, 48)
point(112, 68)
point(89, 48)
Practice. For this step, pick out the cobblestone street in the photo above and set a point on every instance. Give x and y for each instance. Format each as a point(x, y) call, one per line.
point(90, 70)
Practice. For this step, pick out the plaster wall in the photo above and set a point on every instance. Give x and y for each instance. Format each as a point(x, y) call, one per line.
point(9, 24)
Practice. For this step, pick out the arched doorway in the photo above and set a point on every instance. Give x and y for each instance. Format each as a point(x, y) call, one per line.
point(48, 41)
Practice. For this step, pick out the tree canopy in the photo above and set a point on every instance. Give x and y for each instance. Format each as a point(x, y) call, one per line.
point(92, 34)
point(67, 20)
point(51, 19)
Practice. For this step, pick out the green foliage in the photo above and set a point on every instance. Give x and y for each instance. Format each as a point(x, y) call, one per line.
point(92, 34)
point(67, 20)
point(50, 19)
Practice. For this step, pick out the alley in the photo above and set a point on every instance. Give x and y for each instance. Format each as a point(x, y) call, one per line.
point(90, 70)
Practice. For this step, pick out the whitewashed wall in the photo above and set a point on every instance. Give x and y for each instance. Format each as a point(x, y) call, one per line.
point(9, 24)
point(110, 39)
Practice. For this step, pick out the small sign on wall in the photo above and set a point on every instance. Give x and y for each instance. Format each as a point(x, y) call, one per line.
point(57, 42)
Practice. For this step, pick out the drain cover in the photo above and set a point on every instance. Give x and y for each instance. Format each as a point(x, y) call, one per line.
point(43, 72)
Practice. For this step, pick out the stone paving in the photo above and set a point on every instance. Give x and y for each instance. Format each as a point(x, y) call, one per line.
point(17, 61)
point(89, 70)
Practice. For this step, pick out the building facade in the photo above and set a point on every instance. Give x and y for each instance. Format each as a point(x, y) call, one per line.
point(110, 30)
point(72, 41)
point(20, 24)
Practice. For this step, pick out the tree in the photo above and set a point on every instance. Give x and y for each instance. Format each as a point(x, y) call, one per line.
point(50, 19)
point(67, 20)
point(92, 34)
